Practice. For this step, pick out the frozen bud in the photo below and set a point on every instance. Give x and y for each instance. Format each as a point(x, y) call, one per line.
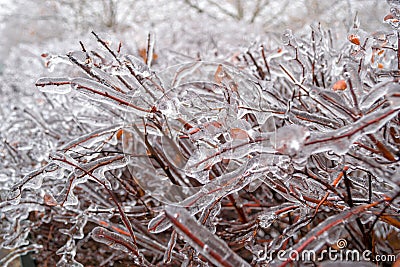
point(290, 139)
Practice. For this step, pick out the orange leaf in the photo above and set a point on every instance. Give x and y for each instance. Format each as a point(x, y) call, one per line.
point(340, 85)
point(354, 39)
point(390, 18)
point(119, 134)
point(49, 200)
point(143, 54)
point(237, 133)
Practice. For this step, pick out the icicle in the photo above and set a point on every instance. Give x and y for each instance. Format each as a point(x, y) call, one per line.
point(88, 140)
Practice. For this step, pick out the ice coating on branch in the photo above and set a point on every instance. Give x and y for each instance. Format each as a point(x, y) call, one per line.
point(101, 93)
point(68, 252)
point(377, 92)
point(200, 238)
point(150, 48)
point(222, 186)
point(63, 160)
point(339, 141)
point(171, 245)
point(53, 60)
point(139, 67)
point(90, 139)
point(80, 56)
point(54, 85)
point(14, 195)
point(315, 239)
point(111, 239)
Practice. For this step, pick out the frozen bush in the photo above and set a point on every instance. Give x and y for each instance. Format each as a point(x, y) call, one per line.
point(293, 145)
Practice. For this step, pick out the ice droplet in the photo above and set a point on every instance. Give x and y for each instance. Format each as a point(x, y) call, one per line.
point(290, 139)
point(265, 220)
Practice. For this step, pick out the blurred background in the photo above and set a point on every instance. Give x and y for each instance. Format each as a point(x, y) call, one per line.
point(189, 26)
